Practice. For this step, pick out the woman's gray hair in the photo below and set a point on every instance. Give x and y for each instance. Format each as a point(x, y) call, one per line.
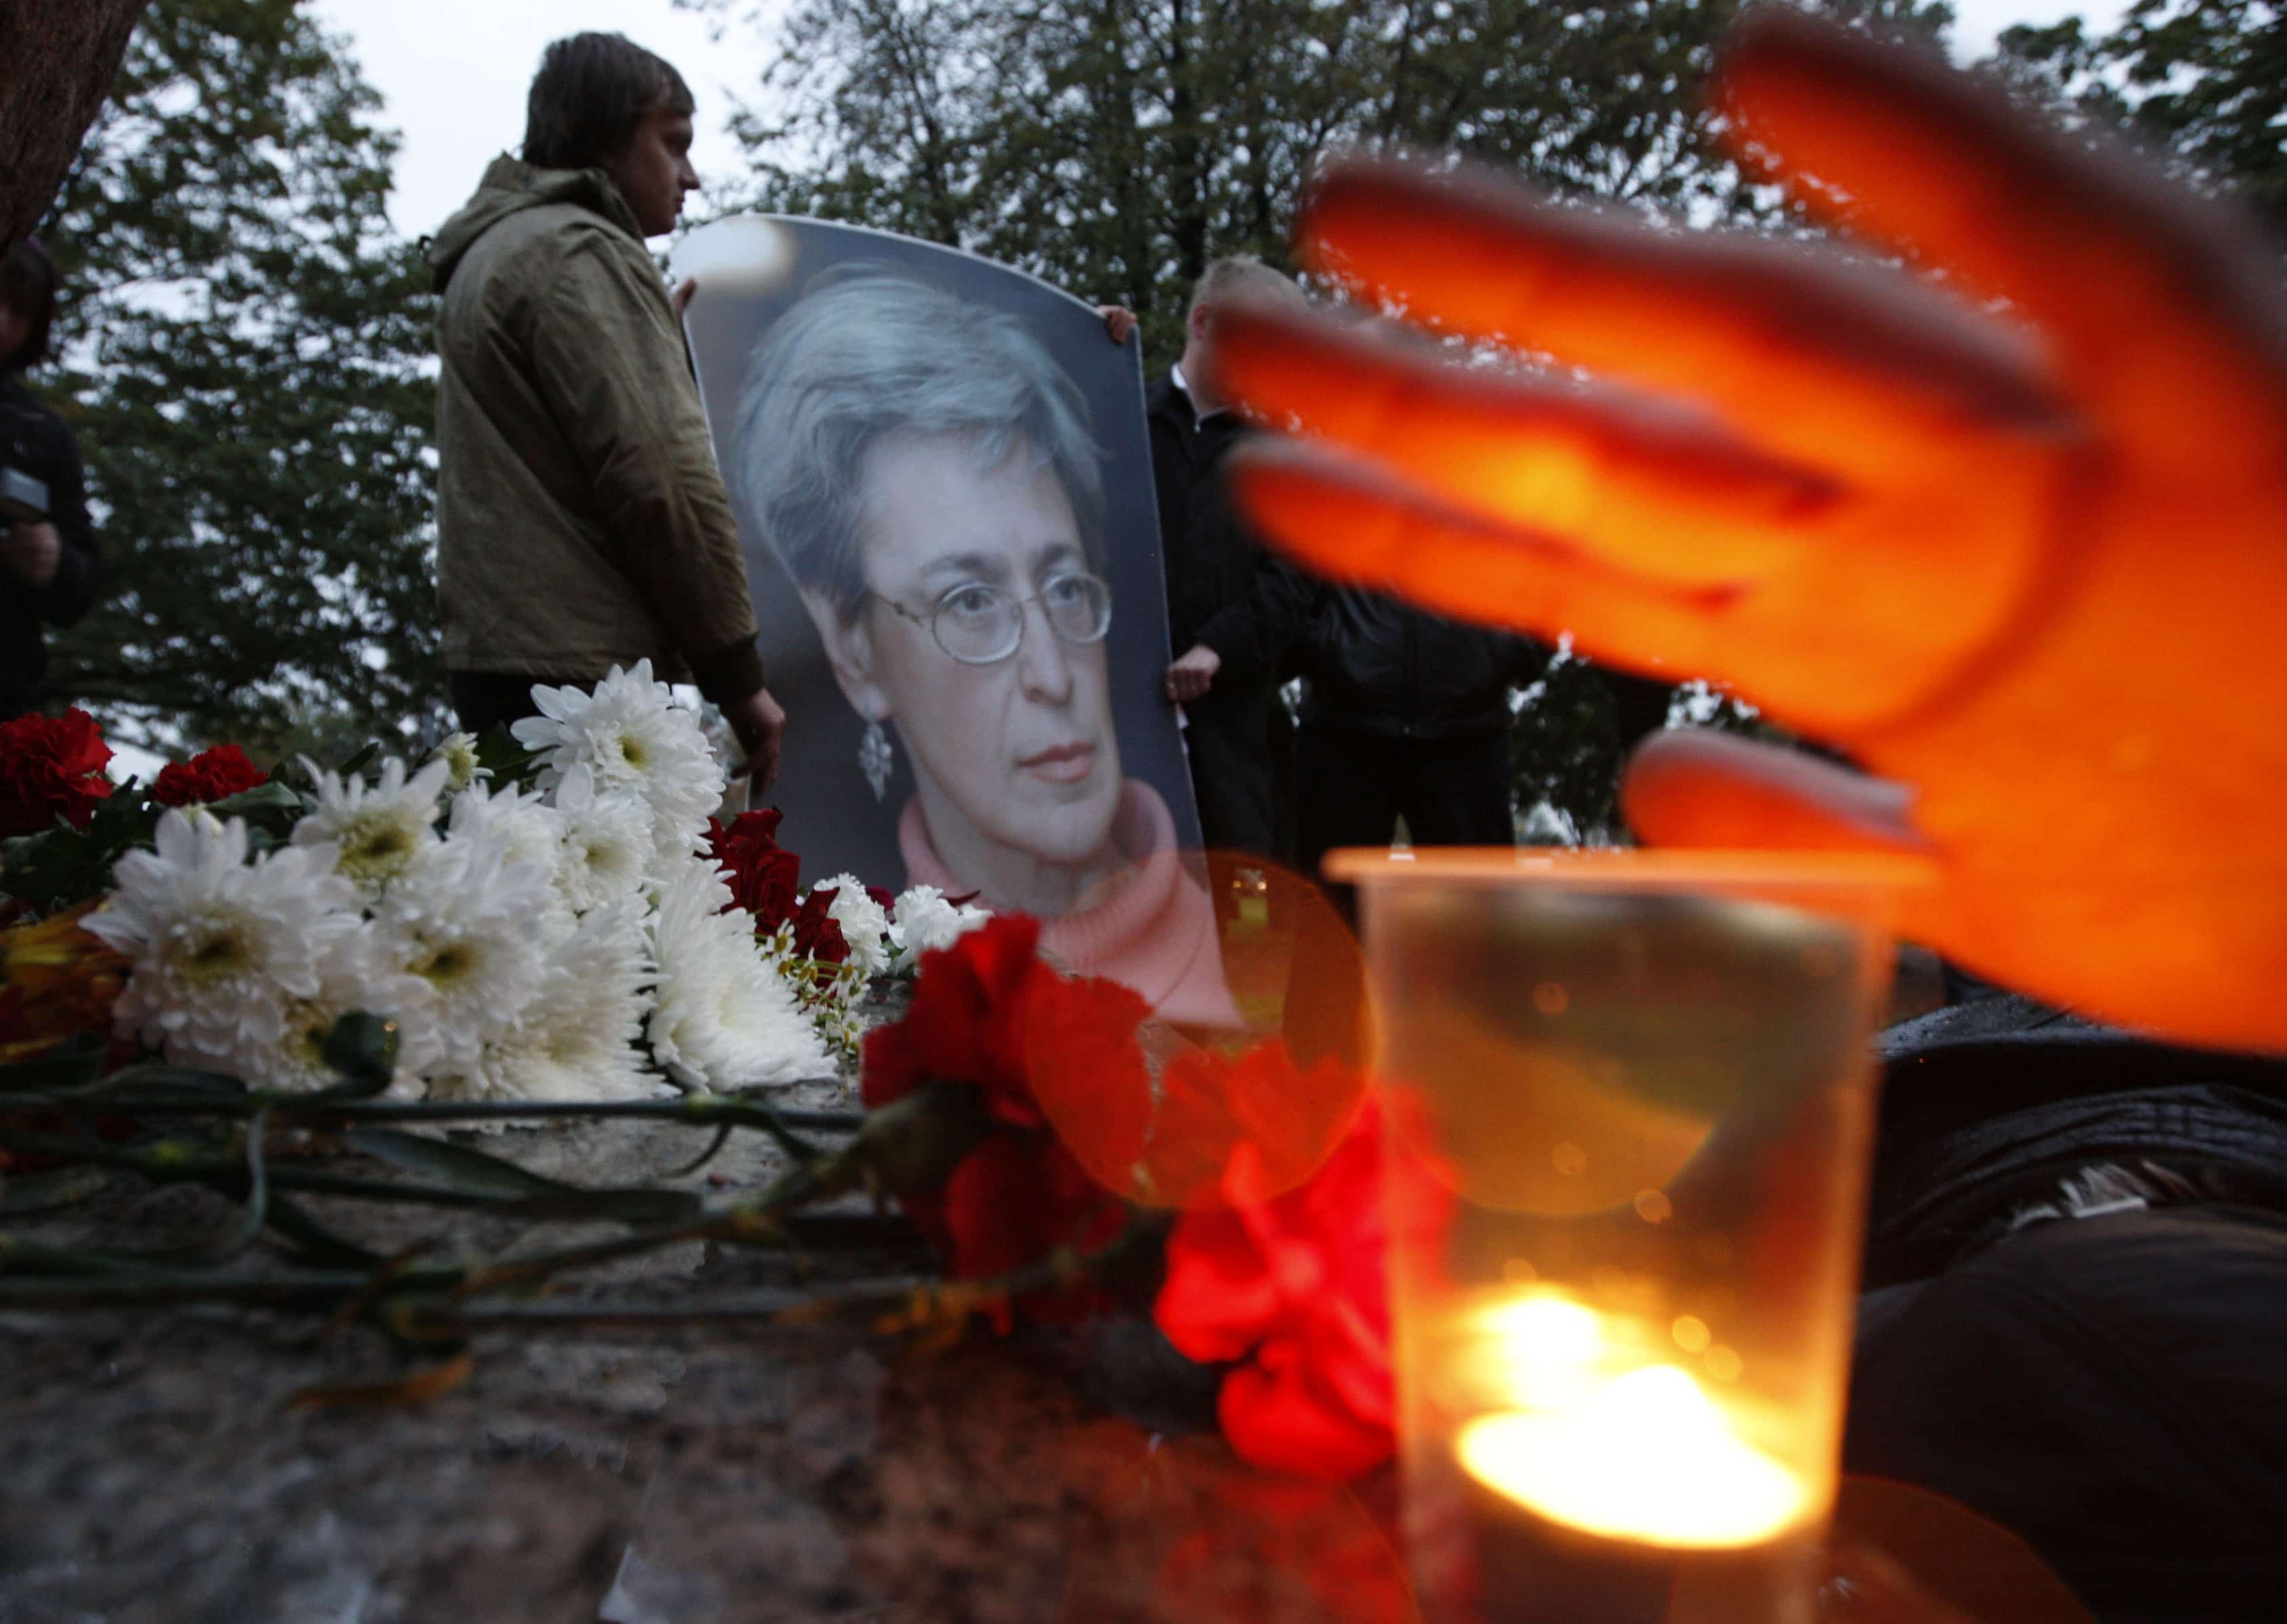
point(879, 354)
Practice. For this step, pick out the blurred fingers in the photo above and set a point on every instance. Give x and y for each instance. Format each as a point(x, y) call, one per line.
point(1351, 524)
point(1693, 787)
point(1659, 491)
point(1689, 788)
point(1834, 363)
point(2164, 307)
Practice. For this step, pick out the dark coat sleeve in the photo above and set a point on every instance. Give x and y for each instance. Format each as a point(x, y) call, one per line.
point(1254, 633)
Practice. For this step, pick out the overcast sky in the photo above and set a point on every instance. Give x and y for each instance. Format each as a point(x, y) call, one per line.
point(454, 73)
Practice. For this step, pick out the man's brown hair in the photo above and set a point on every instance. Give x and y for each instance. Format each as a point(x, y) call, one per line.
point(591, 93)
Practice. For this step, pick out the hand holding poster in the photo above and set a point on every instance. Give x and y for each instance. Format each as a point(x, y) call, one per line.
point(944, 489)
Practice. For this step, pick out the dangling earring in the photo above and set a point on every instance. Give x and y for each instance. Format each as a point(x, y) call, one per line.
point(875, 758)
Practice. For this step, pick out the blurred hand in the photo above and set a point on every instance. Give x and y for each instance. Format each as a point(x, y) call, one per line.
point(757, 723)
point(33, 553)
point(1119, 320)
point(684, 292)
point(1193, 673)
point(2029, 559)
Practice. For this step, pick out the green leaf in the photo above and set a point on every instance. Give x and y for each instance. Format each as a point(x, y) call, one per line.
point(270, 800)
point(499, 754)
point(64, 864)
point(359, 760)
point(474, 1172)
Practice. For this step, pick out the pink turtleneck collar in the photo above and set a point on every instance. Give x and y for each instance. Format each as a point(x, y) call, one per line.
point(1155, 932)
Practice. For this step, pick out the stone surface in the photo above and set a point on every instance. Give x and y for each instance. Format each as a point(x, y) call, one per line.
point(158, 1467)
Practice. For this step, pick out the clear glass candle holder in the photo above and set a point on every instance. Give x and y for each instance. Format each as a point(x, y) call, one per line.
point(1629, 1100)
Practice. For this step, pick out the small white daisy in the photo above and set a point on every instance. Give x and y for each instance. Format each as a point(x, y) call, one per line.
point(630, 734)
point(222, 948)
point(523, 828)
point(606, 842)
point(380, 829)
point(723, 1018)
point(577, 1039)
point(926, 919)
point(458, 752)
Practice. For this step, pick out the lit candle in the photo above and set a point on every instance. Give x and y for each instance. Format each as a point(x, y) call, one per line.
point(1646, 1454)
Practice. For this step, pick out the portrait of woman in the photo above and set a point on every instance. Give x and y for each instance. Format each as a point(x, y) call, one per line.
point(927, 475)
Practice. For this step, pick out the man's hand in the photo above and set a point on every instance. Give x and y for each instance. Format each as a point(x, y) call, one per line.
point(33, 552)
point(685, 291)
point(757, 723)
point(2019, 549)
point(1118, 321)
point(1193, 673)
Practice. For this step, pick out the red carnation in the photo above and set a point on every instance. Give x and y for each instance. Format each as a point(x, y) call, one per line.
point(1066, 1086)
point(765, 877)
point(51, 767)
point(1290, 1284)
point(211, 775)
point(1209, 1105)
point(817, 934)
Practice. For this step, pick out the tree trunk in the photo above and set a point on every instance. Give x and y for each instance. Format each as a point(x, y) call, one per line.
point(58, 58)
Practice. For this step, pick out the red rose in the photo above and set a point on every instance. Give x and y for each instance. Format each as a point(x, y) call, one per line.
point(1290, 1284)
point(1066, 1086)
point(765, 877)
point(817, 934)
point(211, 775)
point(51, 767)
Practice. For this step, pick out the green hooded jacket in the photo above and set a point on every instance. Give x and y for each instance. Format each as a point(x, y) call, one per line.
point(582, 520)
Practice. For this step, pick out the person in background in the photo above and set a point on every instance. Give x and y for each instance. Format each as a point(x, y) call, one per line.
point(582, 523)
point(49, 570)
point(1233, 610)
point(1404, 714)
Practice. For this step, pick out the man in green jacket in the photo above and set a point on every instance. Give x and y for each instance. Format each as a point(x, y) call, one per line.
point(582, 520)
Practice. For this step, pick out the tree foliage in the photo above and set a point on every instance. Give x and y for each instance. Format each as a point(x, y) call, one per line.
point(1114, 146)
point(244, 345)
point(2204, 80)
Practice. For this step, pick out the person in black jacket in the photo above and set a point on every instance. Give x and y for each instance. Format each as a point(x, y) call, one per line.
point(1406, 713)
point(1233, 609)
point(49, 567)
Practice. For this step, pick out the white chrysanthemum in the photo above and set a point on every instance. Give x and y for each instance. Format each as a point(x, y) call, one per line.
point(458, 752)
point(926, 919)
point(724, 1018)
point(606, 842)
point(865, 922)
point(354, 974)
point(577, 1039)
point(523, 828)
point(380, 830)
point(467, 922)
point(633, 738)
point(222, 948)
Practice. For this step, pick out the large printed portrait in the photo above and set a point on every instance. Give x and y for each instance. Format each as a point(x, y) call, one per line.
point(944, 486)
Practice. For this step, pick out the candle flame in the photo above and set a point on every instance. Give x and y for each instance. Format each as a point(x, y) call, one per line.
point(1647, 1457)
